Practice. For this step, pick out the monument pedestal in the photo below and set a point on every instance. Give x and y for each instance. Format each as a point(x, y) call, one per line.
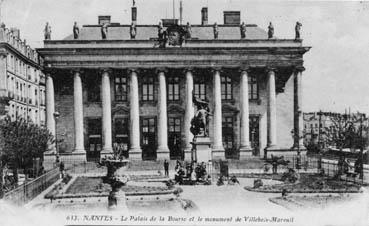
point(203, 150)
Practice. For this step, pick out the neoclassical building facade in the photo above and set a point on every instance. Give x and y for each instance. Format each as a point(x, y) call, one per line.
point(129, 90)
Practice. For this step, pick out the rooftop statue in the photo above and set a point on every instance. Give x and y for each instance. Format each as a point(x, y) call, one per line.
point(188, 31)
point(243, 30)
point(75, 31)
point(270, 30)
point(104, 30)
point(297, 30)
point(47, 31)
point(215, 30)
point(162, 36)
point(133, 31)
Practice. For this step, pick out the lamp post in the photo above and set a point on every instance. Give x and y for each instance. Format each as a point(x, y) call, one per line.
point(296, 138)
point(56, 116)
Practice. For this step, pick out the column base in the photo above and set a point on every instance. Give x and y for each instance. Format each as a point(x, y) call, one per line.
point(135, 154)
point(106, 152)
point(245, 152)
point(79, 151)
point(162, 153)
point(218, 153)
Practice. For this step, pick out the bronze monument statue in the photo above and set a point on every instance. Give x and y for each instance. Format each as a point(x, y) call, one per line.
point(200, 122)
point(243, 30)
point(104, 30)
point(75, 30)
point(133, 31)
point(215, 30)
point(297, 30)
point(270, 30)
point(47, 31)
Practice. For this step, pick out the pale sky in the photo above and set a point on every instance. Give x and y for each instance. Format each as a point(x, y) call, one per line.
point(337, 66)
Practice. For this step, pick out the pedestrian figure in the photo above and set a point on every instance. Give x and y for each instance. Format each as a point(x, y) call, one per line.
point(61, 169)
point(166, 168)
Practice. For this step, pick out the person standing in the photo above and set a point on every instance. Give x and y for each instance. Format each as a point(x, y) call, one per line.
point(166, 168)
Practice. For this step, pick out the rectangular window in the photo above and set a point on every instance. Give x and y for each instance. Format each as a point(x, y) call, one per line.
point(227, 129)
point(147, 89)
point(227, 88)
point(200, 90)
point(120, 88)
point(174, 125)
point(173, 88)
point(253, 88)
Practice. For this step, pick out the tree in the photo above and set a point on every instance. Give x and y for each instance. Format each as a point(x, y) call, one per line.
point(21, 142)
point(346, 131)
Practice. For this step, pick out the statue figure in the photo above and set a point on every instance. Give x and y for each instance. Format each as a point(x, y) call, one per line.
point(47, 31)
point(199, 123)
point(75, 30)
point(132, 31)
point(297, 30)
point(270, 30)
point(104, 30)
point(188, 31)
point(133, 3)
point(162, 36)
point(215, 31)
point(243, 30)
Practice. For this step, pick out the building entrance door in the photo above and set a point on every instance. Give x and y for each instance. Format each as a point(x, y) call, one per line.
point(122, 135)
point(148, 134)
point(174, 138)
point(94, 139)
point(254, 135)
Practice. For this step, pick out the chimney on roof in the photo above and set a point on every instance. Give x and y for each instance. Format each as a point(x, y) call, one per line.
point(134, 14)
point(104, 20)
point(16, 32)
point(204, 16)
point(232, 17)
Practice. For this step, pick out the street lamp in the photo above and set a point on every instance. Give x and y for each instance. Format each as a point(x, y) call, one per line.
point(56, 116)
point(296, 138)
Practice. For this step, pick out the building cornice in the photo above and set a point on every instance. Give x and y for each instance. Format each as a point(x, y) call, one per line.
point(20, 55)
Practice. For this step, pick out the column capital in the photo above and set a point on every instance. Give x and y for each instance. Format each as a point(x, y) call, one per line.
point(161, 69)
point(216, 69)
point(188, 69)
point(298, 69)
point(106, 70)
point(130, 70)
point(76, 70)
point(245, 68)
point(270, 69)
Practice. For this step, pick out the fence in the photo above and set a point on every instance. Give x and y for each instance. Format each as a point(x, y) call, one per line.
point(329, 168)
point(29, 190)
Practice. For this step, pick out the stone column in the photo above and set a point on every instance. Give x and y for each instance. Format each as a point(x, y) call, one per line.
point(272, 109)
point(218, 149)
point(298, 114)
point(78, 114)
point(189, 113)
point(135, 151)
point(163, 151)
point(106, 114)
point(50, 109)
point(245, 149)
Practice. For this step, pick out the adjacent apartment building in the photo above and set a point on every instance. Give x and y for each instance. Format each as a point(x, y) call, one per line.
point(22, 83)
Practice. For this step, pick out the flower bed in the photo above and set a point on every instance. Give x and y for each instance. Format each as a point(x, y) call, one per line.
point(310, 183)
point(94, 187)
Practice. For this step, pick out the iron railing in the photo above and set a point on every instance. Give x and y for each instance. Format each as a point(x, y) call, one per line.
point(29, 190)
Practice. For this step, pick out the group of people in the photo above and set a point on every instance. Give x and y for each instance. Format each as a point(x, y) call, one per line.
point(192, 172)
